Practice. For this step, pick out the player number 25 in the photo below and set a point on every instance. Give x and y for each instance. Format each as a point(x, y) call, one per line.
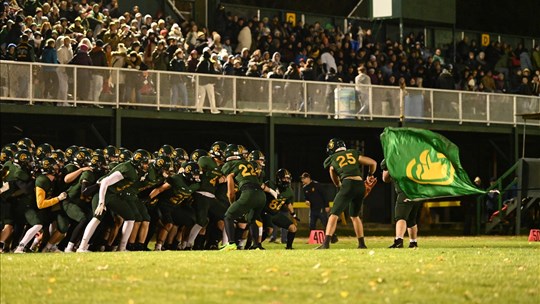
point(348, 159)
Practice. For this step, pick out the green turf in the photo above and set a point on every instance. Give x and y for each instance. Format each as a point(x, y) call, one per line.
point(442, 270)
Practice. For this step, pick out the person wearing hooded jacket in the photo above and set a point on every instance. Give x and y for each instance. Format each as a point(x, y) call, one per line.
point(206, 84)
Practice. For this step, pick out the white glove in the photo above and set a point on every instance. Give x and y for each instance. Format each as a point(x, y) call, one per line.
point(62, 196)
point(100, 208)
point(273, 193)
point(5, 187)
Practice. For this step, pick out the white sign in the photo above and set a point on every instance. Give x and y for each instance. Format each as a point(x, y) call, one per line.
point(382, 8)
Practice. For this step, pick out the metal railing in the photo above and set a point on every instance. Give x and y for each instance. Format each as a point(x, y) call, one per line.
point(74, 85)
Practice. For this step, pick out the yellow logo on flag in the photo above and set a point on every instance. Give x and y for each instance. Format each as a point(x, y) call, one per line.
point(425, 170)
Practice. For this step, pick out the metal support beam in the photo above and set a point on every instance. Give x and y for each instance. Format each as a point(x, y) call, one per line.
point(118, 127)
point(272, 147)
point(519, 197)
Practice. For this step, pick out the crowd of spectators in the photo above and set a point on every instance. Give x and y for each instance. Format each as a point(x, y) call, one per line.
point(97, 33)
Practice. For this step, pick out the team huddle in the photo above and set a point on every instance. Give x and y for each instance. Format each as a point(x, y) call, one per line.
point(116, 200)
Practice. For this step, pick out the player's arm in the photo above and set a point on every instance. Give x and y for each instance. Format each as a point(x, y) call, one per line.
point(43, 203)
point(231, 194)
point(368, 161)
point(70, 177)
point(269, 190)
point(106, 182)
point(334, 177)
point(386, 176)
point(157, 191)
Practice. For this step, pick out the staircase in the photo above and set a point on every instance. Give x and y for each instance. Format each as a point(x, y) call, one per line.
point(526, 198)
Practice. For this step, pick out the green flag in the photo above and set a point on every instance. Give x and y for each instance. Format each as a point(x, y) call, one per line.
point(425, 164)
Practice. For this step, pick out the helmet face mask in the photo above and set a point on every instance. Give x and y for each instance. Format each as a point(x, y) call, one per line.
point(258, 157)
point(49, 166)
point(191, 171)
point(140, 160)
point(283, 178)
point(218, 150)
point(24, 159)
point(232, 152)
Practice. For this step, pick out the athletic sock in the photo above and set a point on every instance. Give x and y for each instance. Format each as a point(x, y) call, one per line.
point(412, 240)
point(69, 247)
point(88, 233)
point(126, 232)
point(31, 233)
point(224, 237)
point(290, 238)
point(254, 230)
point(229, 228)
point(193, 234)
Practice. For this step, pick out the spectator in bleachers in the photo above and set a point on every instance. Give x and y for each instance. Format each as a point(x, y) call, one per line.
point(48, 73)
point(83, 75)
point(64, 54)
point(99, 59)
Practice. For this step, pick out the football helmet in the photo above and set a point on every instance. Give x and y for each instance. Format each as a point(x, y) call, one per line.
point(44, 150)
point(49, 165)
point(217, 150)
point(191, 171)
point(283, 178)
point(195, 155)
point(232, 152)
point(334, 144)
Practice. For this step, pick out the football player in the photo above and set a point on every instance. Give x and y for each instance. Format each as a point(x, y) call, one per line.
point(251, 200)
point(344, 166)
point(114, 191)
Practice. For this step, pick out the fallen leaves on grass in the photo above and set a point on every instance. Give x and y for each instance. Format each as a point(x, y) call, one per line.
point(104, 267)
point(344, 294)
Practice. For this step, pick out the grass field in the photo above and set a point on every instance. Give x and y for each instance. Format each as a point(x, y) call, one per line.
point(442, 270)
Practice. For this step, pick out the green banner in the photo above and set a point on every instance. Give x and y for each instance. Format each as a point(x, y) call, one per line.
point(425, 164)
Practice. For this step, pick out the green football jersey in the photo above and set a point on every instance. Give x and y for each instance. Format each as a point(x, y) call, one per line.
point(43, 182)
point(179, 190)
point(14, 173)
point(345, 163)
point(285, 197)
point(149, 180)
point(244, 172)
point(74, 191)
point(130, 177)
point(211, 173)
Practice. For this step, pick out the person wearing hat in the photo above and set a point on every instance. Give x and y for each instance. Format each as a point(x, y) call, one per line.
point(99, 59)
point(206, 84)
point(49, 76)
point(77, 27)
point(25, 53)
point(83, 74)
point(179, 93)
point(111, 36)
point(160, 56)
point(317, 201)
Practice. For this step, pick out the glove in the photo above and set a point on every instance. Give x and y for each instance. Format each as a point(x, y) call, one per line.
point(100, 208)
point(369, 183)
point(273, 193)
point(295, 216)
point(5, 187)
point(62, 196)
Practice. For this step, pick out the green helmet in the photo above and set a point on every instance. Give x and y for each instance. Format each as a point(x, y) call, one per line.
point(48, 165)
point(125, 155)
point(243, 151)
point(98, 162)
point(163, 163)
point(82, 157)
point(71, 151)
point(59, 155)
point(334, 144)
point(24, 159)
point(111, 153)
point(232, 152)
point(256, 155)
point(6, 155)
point(191, 171)
point(283, 178)
point(181, 155)
point(26, 143)
point(98, 152)
point(139, 158)
point(166, 150)
point(12, 147)
point(217, 150)
point(195, 155)
point(44, 150)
